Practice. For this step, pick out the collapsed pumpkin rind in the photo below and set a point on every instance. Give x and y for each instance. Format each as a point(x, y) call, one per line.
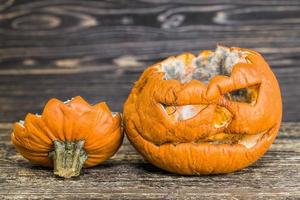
point(185, 146)
point(70, 121)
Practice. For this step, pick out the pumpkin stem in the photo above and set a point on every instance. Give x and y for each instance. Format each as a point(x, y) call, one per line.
point(68, 158)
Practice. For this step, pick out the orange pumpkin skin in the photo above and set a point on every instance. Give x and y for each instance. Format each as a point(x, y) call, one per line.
point(182, 146)
point(74, 120)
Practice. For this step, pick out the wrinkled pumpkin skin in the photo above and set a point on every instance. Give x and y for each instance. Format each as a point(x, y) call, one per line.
point(73, 121)
point(174, 147)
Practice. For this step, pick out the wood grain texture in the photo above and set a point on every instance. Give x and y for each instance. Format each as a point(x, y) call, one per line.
point(97, 49)
point(127, 176)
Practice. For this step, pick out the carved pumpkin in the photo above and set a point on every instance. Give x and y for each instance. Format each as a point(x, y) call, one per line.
point(214, 113)
point(69, 135)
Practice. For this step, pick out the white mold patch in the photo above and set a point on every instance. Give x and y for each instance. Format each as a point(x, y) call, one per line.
point(174, 69)
point(203, 67)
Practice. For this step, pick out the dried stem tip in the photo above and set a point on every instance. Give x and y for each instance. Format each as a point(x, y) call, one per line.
point(68, 158)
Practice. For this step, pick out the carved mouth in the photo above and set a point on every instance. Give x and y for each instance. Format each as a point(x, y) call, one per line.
point(222, 118)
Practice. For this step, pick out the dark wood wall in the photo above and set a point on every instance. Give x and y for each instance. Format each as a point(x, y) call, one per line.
point(97, 49)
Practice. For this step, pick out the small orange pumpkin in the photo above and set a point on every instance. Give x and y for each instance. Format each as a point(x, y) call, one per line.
point(214, 113)
point(69, 135)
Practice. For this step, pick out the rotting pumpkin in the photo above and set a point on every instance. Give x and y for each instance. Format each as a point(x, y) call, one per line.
point(209, 114)
point(69, 135)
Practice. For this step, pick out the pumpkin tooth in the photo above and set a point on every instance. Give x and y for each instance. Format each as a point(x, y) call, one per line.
point(250, 141)
point(180, 113)
point(222, 117)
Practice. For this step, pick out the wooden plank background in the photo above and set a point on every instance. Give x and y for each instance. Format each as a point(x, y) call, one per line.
point(97, 49)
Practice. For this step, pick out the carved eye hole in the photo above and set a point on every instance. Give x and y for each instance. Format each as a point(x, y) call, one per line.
point(245, 95)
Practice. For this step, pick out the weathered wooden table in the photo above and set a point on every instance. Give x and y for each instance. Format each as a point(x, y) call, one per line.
point(126, 176)
point(97, 49)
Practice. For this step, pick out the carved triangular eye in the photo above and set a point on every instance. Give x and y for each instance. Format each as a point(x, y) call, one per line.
point(245, 95)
